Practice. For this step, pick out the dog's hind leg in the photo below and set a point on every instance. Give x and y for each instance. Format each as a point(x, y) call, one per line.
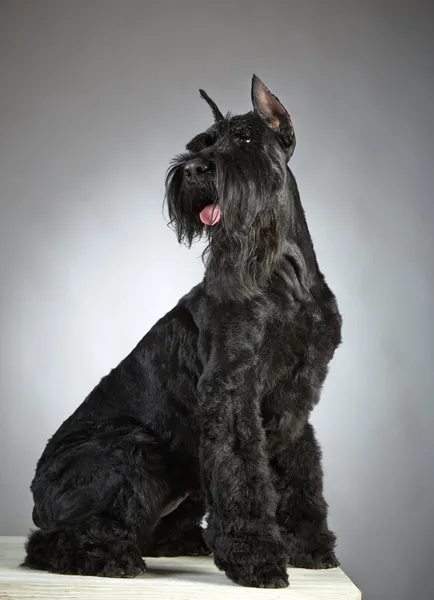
point(180, 533)
point(84, 550)
point(94, 503)
point(302, 510)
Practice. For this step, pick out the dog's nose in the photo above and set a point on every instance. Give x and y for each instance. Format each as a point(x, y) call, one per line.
point(197, 167)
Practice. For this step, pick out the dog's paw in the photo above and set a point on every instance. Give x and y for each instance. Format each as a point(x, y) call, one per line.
point(120, 559)
point(314, 561)
point(258, 575)
point(252, 561)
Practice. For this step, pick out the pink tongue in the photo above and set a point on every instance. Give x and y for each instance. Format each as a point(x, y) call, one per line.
point(210, 215)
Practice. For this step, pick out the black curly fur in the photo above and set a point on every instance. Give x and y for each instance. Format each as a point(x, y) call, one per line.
point(210, 411)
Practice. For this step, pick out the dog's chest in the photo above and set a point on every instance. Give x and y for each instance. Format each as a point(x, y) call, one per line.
point(290, 348)
point(295, 356)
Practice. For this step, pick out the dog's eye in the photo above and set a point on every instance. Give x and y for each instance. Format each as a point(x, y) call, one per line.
point(243, 138)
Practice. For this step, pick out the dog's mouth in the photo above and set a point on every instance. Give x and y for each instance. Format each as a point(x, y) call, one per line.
point(211, 214)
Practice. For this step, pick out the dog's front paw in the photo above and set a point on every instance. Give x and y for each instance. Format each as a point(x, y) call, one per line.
point(312, 553)
point(314, 560)
point(261, 575)
point(252, 561)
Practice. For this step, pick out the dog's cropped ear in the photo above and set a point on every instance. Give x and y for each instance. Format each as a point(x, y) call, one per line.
point(269, 108)
point(215, 109)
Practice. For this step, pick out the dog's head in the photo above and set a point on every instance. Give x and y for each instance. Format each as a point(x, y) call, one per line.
point(232, 178)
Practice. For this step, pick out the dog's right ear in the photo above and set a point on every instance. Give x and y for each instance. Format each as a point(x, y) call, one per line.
point(215, 109)
point(272, 111)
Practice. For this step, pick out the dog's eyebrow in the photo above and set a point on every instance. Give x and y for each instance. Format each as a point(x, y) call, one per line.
point(240, 128)
point(200, 140)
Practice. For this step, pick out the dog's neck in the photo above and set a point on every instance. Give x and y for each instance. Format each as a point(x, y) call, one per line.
point(277, 249)
point(299, 231)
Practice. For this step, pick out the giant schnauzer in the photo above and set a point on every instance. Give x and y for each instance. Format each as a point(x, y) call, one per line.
point(209, 414)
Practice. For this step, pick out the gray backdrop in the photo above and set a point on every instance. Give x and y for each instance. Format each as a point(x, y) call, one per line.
point(96, 96)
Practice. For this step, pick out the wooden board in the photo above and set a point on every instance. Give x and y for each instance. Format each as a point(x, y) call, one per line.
point(167, 578)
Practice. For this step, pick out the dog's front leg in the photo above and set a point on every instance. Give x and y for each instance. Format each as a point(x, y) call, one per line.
point(242, 531)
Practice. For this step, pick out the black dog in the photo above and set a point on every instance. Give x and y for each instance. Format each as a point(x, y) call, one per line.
point(209, 413)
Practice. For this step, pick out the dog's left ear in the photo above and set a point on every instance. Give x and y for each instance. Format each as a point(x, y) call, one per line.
point(269, 108)
point(218, 116)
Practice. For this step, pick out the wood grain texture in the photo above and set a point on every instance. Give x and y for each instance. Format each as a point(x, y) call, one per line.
point(166, 578)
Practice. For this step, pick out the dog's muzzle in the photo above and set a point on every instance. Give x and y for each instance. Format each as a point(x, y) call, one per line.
point(197, 171)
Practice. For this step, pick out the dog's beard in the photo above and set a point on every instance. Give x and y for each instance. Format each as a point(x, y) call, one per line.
point(185, 202)
point(244, 187)
point(247, 188)
point(243, 254)
point(249, 239)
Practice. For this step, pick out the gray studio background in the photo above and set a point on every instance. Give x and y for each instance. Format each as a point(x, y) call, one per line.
point(95, 98)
